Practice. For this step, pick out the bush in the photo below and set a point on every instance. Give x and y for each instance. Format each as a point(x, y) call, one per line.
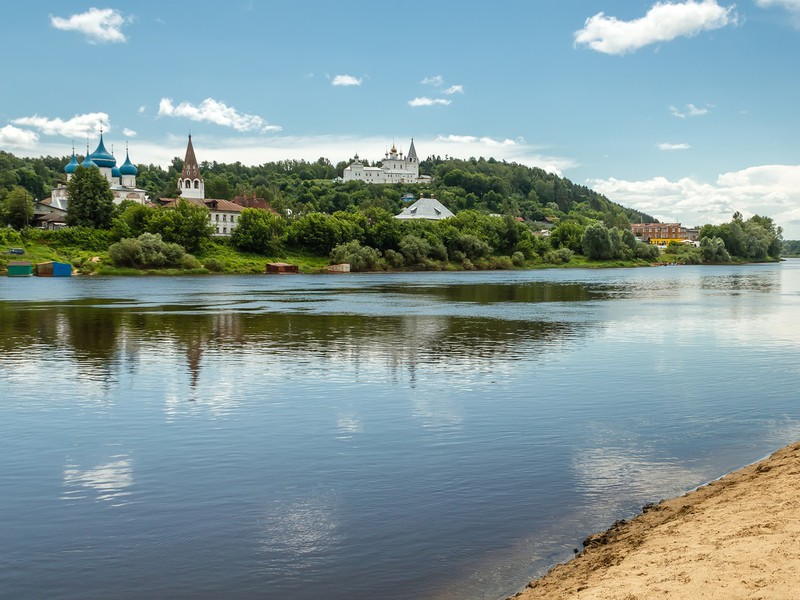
point(214, 265)
point(415, 249)
point(259, 231)
point(9, 237)
point(86, 238)
point(149, 251)
point(360, 258)
point(502, 263)
point(518, 258)
point(394, 258)
point(558, 257)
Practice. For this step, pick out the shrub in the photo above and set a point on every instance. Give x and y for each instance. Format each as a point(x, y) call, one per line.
point(214, 265)
point(518, 258)
point(361, 258)
point(558, 257)
point(148, 251)
point(502, 263)
point(415, 249)
point(86, 238)
point(394, 258)
point(259, 231)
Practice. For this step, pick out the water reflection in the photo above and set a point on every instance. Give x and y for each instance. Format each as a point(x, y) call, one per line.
point(110, 482)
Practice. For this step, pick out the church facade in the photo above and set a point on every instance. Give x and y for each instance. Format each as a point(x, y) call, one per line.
point(395, 168)
point(122, 179)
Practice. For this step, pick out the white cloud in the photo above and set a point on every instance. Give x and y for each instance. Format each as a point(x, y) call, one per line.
point(454, 89)
point(668, 146)
point(14, 137)
point(78, 126)
point(103, 25)
point(346, 80)
point(128, 132)
point(771, 190)
point(213, 111)
point(664, 21)
point(141, 109)
point(792, 6)
point(436, 81)
point(424, 101)
point(689, 111)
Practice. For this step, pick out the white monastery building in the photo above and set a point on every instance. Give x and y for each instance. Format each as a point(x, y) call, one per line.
point(395, 168)
point(121, 179)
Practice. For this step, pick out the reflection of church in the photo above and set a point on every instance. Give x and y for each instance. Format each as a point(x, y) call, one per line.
point(122, 179)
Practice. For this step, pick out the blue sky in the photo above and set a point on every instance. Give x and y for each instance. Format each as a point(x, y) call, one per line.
point(685, 109)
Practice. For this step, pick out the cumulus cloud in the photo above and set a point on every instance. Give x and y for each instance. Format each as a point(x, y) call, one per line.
point(14, 137)
point(792, 6)
point(213, 111)
point(668, 146)
point(772, 190)
point(424, 101)
point(128, 132)
point(664, 22)
point(454, 89)
point(346, 80)
point(141, 109)
point(78, 126)
point(689, 111)
point(99, 25)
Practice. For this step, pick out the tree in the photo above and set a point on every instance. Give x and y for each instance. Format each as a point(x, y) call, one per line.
point(91, 201)
point(17, 208)
point(186, 223)
point(259, 231)
point(596, 242)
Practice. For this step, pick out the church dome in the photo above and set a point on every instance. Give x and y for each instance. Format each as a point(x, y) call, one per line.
point(71, 165)
point(128, 168)
point(102, 157)
point(88, 163)
point(115, 172)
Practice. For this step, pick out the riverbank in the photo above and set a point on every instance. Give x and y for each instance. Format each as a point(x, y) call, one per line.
point(733, 538)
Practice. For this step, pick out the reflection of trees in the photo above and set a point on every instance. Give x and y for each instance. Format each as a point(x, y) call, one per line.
point(97, 336)
point(490, 293)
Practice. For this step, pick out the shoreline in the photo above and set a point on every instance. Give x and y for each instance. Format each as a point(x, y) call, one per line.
point(734, 537)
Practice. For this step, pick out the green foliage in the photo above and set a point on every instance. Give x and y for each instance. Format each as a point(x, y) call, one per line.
point(86, 238)
point(320, 233)
point(568, 234)
point(186, 224)
point(755, 239)
point(259, 231)
point(415, 249)
point(518, 259)
point(394, 258)
point(91, 201)
point(596, 242)
point(149, 251)
point(558, 257)
point(16, 209)
point(713, 250)
point(9, 237)
point(361, 258)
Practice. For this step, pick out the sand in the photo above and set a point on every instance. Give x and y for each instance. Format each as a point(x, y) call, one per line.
point(735, 538)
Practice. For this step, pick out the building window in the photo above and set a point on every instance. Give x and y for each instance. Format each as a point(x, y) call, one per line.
point(188, 184)
point(196, 184)
point(217, 217)
point(224, 217)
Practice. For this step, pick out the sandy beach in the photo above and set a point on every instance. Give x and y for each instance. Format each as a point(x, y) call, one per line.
point(735, 538)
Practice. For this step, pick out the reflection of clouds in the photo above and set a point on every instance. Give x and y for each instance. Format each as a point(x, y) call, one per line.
point(110, 481)
point(348, 425)
point(437, 410)
point(611, 478)
point(297, 535)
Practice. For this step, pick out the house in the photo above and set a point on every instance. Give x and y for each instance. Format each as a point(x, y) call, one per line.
point(660, 234)
point(425, 208)
point(47, 215)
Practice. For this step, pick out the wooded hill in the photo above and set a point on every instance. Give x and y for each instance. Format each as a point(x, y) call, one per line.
point(485, 185)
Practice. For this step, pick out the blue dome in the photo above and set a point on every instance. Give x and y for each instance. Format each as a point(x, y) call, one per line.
point(88, 162)
point(102, 157)
point(115, 172)
point(128, 168)
point(71, 165)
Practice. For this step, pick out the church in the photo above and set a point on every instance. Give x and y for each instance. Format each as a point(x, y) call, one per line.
point(122, 179)
point(223, 214)
point(395, 168)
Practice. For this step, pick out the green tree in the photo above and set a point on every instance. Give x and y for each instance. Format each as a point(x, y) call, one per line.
point(596, 242)
point(259, 231)
point(91, 201)
point(17, 208)
point(186, 223)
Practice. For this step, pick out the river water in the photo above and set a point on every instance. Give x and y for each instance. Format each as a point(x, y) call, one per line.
point(423, 435)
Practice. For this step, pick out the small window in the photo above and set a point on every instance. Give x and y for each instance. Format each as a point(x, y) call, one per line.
point(224, 217)
point(196, 184)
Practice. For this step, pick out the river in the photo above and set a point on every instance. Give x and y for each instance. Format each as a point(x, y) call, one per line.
point(395, 436)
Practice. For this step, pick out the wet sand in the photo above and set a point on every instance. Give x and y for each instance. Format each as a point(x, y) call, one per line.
point(735, 538)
